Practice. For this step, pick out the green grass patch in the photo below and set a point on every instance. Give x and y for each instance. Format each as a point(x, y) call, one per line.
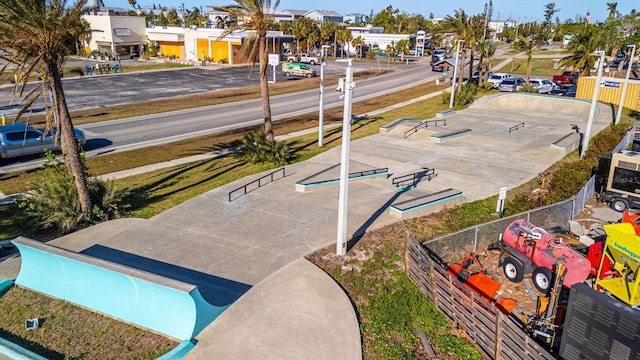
point(539, 67)
point(59, 337)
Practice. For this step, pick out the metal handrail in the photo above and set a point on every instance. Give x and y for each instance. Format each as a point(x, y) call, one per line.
point(368, 172)
point(516, 127)
point(259, 181)
point(415, 129)
point(414, 178)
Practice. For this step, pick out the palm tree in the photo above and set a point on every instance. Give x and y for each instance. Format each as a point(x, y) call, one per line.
point(255, 46)
point(486, 50)
point(344, 36)
point(38, 34)
point(358, 43)
point(582, 47)
point(528, 44)
point(403, 46)
point(173, 19)
point(460, 24)
point(613, 10)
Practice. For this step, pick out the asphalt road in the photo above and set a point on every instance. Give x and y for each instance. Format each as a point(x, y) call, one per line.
point(126, 134)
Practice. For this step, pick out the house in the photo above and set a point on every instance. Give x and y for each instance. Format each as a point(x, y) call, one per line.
point(356, 18)
point(323, 16)
point(296, 14)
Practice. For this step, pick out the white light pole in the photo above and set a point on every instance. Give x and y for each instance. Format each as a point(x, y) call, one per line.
point(626, 82)
point(341, 243)
point(323, 63)
point(592, 111)
point(455, 75)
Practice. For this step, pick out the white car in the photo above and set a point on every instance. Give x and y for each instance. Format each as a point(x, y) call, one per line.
point(497, 78)
point(543, 86)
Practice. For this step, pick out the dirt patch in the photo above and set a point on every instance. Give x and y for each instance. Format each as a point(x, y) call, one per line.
point(67, 331)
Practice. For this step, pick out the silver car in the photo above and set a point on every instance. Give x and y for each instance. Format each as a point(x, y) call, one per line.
point(511, 84)
point(20, 139)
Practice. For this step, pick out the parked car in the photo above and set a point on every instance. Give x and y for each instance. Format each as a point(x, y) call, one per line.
point(297, 69)
point(569, 91)
point(20, 139)
point(567, 77)
point(497, 78)
point(511, 84)
point(439, 66)
point(304, 58)
point(543, 86)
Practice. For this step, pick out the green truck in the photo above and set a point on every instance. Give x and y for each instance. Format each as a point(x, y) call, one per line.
point(297, 69)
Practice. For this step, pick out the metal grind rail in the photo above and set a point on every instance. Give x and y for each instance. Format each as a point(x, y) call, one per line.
point(255, 184)
point(424, 124)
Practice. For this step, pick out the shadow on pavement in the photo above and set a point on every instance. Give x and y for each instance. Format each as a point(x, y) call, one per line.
point(215, 290)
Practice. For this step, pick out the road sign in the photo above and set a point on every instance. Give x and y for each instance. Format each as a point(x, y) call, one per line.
point(274, 59)
point(610, 84)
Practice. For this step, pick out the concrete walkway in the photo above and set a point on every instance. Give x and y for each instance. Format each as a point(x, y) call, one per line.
point(293, 310)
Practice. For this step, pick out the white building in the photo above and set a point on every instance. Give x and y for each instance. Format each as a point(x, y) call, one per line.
point(116, 35)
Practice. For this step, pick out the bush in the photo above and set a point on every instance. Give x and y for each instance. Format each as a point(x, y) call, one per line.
point(256, 148)
point(528, 89)
point(52, 204)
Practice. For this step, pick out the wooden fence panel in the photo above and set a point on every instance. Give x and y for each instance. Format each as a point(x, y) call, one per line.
point(495, 335)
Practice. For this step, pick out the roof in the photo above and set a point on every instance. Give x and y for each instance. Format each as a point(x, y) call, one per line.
point(295, 12)
point(357, 15)
point(327, 13)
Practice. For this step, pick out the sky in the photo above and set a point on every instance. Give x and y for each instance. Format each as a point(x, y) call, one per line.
point(518, 10)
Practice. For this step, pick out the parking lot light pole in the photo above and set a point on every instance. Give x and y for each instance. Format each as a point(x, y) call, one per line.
point(592, 111)
point(341, 243)
point(455, 75)
point(323, 63)
point(626, 82)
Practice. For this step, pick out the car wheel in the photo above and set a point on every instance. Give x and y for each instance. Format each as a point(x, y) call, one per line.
point(513, 269)
point(542, 279)
point(309, 75)
point(619, 205)
point(312, 62)
point(287, 74)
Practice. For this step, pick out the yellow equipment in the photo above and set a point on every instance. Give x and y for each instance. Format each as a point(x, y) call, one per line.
point(622, 248)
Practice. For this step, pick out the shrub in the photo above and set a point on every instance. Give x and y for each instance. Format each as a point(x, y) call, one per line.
point(256, 148)
point(466, 94)
point(528, 89)
point(52, 204)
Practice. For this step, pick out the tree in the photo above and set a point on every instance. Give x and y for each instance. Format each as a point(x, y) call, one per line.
point(358, 43)
point(528, 42)
point(300, 29)
point(255, 46)
point(173, 19)
point(133, 3)
point(403, 46)
point(582, 47)
point(39, 34)
point(550, 10)
point(460, 25)
point(195, 17)
point(613, 10)
point(344, 37)
point(487, 50)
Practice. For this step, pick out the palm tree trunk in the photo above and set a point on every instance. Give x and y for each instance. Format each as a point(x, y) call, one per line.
point(68, 141)
point(473, 49)
point(264, 86)
point(463, 55)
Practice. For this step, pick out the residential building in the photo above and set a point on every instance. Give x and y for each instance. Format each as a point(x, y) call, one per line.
point(295, 13)
point(323, 16)
point(356, 19)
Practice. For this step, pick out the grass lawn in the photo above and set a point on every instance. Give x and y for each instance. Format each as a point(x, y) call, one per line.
point(67, 331)
point(539, 67)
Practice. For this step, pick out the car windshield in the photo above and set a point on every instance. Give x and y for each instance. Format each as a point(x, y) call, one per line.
point(509, 82)
point(496, 77)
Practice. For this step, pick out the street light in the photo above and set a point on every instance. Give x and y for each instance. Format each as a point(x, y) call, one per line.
point(323, 63)
point(626, 82)
point(592, 111)
point(341, 242)
point(455, 75)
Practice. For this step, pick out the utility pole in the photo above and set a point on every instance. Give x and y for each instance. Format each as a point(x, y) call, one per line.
point(323, 63)
point(341, 243)
point(626, 82)
point(455, 75)
point(592, 111)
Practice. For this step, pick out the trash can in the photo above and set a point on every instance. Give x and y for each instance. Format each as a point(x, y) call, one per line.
point(116, 68)
point(437, 81)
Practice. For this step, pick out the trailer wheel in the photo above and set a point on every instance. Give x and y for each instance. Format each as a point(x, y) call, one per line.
point(542, 279)
point(513, 269)
point(287, 73)
point(619, 205)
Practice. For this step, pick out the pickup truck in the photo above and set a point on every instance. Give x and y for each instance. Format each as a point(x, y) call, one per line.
point(303, 58)
point(567, 78)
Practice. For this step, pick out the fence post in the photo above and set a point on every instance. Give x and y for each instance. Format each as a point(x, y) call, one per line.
point(496, 350)
point(434, 293)
point(475, 246)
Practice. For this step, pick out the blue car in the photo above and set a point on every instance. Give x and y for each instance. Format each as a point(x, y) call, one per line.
point(20, 139)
